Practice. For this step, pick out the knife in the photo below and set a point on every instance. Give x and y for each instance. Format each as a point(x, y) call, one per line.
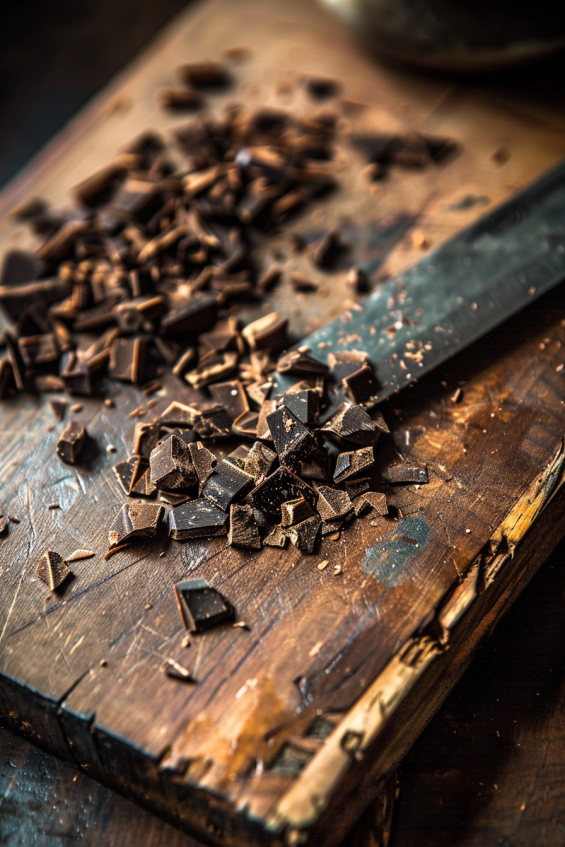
point(456, 294)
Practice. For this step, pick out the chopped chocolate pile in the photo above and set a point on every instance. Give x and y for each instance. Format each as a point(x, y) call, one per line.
point(146, 276)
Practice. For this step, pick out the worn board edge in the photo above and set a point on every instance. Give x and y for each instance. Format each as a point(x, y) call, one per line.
point(335, 788)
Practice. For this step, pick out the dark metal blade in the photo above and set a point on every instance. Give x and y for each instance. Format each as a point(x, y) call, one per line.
point(457, 293)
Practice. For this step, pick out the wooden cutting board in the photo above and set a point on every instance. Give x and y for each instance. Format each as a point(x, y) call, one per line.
point(295, 722)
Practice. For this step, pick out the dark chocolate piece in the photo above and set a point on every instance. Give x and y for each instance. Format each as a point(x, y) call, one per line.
point(175, 671)
point(78, 555)
point(129, 472)
point(301, 363)
point(244, 531)
point(213, 423)
point(246, 425)
point(201, 606)
point(171, 465)
point(226, 483)
point(58, 408)
point(53, 570)
point(174, 498)
point(231, 395)
point(7, 381)
point(301, 282)
point(278, 537)
point(203, 460)
point(262, 430)
point(355, 487)
point(259, 461)
point(145, 438)
point(177, 414)
point(361, 385)
point(353, 423)
point(331, 527)
point(144, 487)
point(3, 525)
point(295, 511)
point(135, 519)
point(316, 466)
point(197, 519)
point(321, 87)
point(376, 501)
point(178, 99)
point(345, 362)
point(127, 357)
point(199, 315)
point(71, 441)
point(408, 472)
point(305, 534)
point(100, 187)
point(278, 488)
point(332, 503)
point(305, 405)
point(267, 333)
point(293, 441)
point(204, 74)
point(212, 370)
point(351, 463)
point(326, 250)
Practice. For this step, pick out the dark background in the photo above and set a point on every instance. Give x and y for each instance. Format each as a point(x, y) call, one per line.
point(490, 768)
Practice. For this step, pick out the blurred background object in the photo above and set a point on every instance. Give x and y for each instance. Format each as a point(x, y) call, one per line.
point(457, 35)
point(55, 56)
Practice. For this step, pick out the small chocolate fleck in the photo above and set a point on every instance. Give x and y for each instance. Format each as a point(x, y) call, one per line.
point(77, 555)
point(176, 671)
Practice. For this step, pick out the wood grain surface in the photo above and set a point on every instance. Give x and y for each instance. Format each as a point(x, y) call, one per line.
point(224, 756)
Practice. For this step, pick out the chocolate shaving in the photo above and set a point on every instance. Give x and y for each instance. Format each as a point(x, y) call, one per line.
point(53, 570)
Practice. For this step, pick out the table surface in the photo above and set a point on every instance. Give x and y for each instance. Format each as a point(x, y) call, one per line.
point(486, 788)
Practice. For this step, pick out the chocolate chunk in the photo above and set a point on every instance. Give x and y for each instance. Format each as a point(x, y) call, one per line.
point(53, 570)
point(351, 463)
point(3, 525)
point(301, 282)
point(213, 370)
point(263, 431)
point(305, 405)
point(244, 531)
point(175, 671)
point(182, 363)
point(259, 461)
point(199, 315)
point(295, 511)
point(293, 441)
point(203, 460)
point(197, 519)
point(144, 487)
point(231, 395)
point(355, 487)
point(278, 488)
point(327, 249)
point(321, 87)
point(204, 74)
point(71, 442)
point(145, 438)
point(358, 280)
point(19, 266)
point(129, 472)
point(345, 362)
point(332, 503)
point(38, 349)
point(171, 465)
point(226, 483)
point(100, 187)
point(201, 606)
point(376, 501)
point(267, 333)
point(58, 408)
point(408, 472)
point(301, 363)
point(361, 385)
point(177, 99)
point(278, 537)
point(135, 519)
point(246, 425)
point(127, 357)
point(352, 423)
point(305, 534)
point(177, 414)
point(7, 381)
point(174, 498)
point(213, 423)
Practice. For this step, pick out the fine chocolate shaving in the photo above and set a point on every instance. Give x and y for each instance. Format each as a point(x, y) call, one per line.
point(201, 607)
point(71, 442)
point(197, 519)
point(135, 519)
point(53, 570)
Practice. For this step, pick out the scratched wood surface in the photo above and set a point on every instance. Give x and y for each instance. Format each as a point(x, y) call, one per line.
point(239, 755)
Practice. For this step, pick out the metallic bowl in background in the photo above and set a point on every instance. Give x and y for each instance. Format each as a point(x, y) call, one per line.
point(457, 35)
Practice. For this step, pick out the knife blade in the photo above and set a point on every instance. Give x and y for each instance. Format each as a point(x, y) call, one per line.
point(456, 294)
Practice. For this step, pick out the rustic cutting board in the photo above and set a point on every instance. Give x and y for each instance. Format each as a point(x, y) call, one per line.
point(296, 721)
